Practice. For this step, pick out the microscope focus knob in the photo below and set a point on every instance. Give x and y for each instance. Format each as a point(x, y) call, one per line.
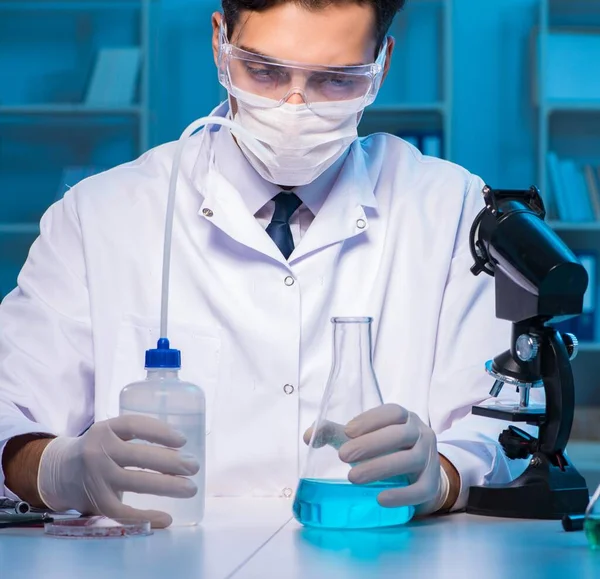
point(572, 344)
point(527, 347)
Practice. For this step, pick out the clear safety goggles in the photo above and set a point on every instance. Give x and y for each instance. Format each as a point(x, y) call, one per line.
point(275, 81)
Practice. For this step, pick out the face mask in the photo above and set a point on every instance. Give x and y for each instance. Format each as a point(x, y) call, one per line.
point(300, 143)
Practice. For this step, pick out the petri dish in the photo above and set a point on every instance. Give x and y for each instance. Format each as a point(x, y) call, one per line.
point(97, 528)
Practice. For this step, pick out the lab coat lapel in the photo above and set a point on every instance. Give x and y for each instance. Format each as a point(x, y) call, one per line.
point(224, 207)
point(342, 216)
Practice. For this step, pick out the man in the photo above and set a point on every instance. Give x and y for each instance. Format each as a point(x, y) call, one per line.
point(269, 243)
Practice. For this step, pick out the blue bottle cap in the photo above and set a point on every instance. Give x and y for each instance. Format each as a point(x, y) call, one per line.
point(163, 356)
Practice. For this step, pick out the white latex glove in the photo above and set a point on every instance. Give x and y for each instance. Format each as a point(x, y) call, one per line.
point(386, 442)
point(87, 473)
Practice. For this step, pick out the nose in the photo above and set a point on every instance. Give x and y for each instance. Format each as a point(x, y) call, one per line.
point(296, 93)
point(295, 99)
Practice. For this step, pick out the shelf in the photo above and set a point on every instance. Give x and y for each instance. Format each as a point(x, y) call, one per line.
point(572, 106)
point(68, 109)
point(575, 225)
point(19, 228)
point(419, 117)
point(574, 6)
point(573, 29)
point(21, 6)
point(589, 347)
point(49, 95)
point(407, 108)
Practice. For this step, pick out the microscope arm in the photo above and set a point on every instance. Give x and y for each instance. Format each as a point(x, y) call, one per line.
point(560, 394)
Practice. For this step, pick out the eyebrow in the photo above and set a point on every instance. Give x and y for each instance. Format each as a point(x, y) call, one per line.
point(273, 59)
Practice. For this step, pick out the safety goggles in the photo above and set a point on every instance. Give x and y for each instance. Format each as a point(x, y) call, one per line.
point(274, 80)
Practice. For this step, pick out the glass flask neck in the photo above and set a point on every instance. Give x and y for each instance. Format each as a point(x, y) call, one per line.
point(161, 373)
point(352, 350)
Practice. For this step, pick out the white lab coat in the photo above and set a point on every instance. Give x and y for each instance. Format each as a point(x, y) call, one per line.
point(391, 242)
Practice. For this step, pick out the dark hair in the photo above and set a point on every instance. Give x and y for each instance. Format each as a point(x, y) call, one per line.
point(385, 10)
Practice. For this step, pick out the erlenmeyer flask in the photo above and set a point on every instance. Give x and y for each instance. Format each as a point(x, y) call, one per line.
point(325, 497)
point(592, 521)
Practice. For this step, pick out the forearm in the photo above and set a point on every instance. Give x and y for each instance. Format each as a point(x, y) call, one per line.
point(20, 462)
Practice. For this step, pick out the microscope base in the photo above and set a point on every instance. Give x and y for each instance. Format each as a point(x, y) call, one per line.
point(543, 491)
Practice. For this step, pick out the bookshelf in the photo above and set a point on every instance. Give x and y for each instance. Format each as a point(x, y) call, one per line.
point(19, 229)
point(14, 5)
point(568, 112)
point(50, 50)
point(566, 45)
point(574, 226)
point(567, 105)
point(69, 109)
point(589, 347)
point(416, 97)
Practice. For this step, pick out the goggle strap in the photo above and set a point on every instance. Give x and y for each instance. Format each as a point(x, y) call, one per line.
point(382, 56)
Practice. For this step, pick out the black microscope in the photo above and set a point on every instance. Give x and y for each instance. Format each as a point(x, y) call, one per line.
point(538, 281)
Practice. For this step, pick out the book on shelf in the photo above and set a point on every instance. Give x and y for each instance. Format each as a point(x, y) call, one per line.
point(114, 79)
point(556, 193)
point(584, 325)
point(574, 191)
point(593, 187)
point(73, 174)
point(412, 140)
point(430, 144)
point(577, 192)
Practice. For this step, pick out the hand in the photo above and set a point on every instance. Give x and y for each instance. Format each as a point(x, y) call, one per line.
point(389, 441)
point(87, 473)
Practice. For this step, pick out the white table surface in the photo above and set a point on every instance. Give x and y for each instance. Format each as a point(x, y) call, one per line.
point(232, 531)
point(256, 539)
point(454, 546)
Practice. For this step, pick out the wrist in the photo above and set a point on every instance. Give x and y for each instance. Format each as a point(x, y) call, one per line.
point(453, 477)
point(54, 460)
point(436, 503)
point(21, 462)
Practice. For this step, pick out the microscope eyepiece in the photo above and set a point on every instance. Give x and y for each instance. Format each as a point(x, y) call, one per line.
point(536, 273)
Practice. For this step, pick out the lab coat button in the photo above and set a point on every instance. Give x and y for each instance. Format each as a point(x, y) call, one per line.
point(361, 223)
point(289, 280)
point(288, 389)
point(207, 212)
point(287, 493)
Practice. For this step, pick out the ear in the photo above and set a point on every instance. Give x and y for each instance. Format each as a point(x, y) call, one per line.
point(388, 59)
point(217, 17)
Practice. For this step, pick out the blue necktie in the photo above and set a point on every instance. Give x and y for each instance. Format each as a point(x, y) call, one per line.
point(279, 228)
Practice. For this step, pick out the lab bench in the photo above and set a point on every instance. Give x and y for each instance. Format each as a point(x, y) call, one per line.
point(258, 539)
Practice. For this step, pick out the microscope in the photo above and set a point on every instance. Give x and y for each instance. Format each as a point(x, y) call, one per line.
point(538, 281)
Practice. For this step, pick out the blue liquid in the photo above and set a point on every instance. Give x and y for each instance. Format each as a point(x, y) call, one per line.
point(339, 504)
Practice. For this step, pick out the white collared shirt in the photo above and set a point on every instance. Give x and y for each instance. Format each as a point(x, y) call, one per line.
point(258, 193)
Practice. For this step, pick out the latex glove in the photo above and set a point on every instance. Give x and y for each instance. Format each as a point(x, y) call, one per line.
point(389, 441)
point(87, 473)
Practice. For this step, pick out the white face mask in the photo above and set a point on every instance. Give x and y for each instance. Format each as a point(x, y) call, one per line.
point(299, 143)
